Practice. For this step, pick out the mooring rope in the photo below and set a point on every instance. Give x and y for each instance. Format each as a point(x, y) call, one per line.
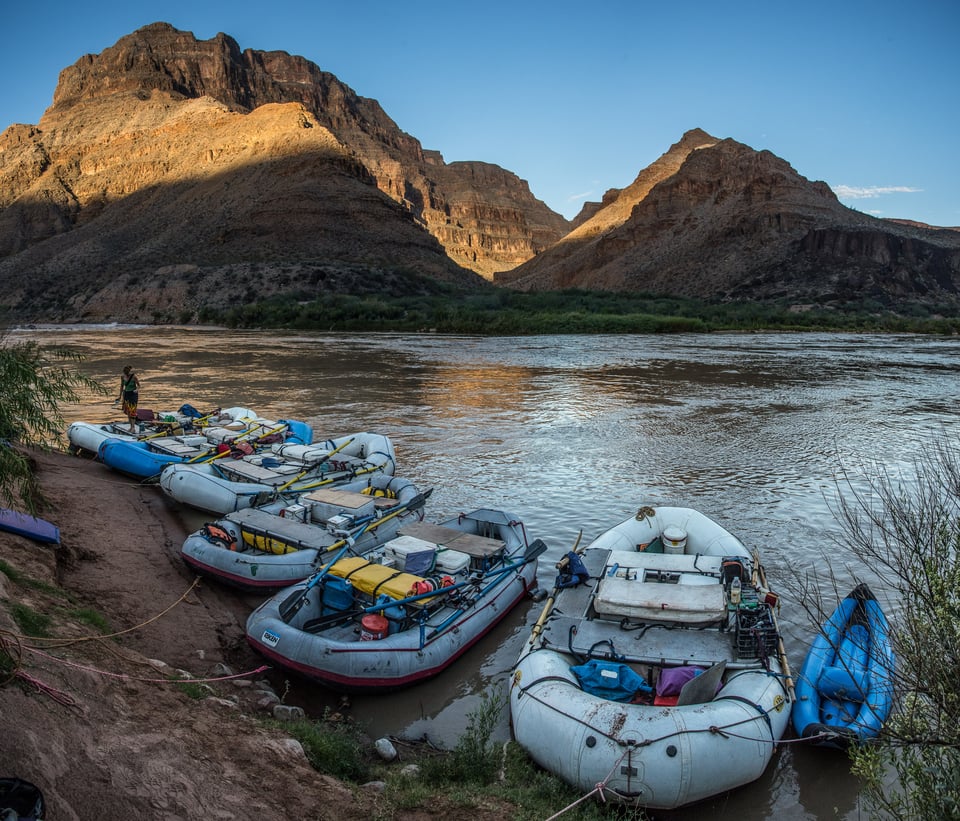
point(13, 645)
point(58, 642)
point(598, 788)
point(128, 677)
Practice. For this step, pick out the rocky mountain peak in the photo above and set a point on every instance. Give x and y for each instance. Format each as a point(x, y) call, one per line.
point(487, 226)
point(716, 218)
point(616, 208)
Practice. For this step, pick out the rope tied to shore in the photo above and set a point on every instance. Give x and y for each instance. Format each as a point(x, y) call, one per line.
point(128, 677)
point(12, 647)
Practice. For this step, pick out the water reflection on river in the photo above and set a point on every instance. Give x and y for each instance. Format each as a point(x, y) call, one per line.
point(574, 433)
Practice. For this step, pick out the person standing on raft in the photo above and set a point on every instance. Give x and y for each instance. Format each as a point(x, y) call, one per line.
point(130, 395)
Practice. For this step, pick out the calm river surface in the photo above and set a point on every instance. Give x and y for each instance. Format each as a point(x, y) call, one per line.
point(574, 433)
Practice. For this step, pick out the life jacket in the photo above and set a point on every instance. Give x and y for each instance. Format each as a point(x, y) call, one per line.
point(214, 533)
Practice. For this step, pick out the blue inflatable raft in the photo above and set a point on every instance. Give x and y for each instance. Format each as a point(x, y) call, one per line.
point(845, 687)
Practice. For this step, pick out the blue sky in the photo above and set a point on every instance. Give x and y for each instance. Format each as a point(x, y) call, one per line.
point(578, 97)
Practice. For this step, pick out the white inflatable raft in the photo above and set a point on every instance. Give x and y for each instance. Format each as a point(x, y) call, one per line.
point(279, 544)
point(284, 471)
point(655, 673)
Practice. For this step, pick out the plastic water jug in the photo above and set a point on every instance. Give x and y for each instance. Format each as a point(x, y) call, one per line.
point(735, 592)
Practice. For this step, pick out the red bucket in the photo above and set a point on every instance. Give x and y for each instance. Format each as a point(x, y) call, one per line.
point(373, 627)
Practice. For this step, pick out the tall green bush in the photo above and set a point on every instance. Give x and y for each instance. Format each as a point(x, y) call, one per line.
point(34, 383)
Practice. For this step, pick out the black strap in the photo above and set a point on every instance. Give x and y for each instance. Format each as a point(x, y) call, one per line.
point(757, 707)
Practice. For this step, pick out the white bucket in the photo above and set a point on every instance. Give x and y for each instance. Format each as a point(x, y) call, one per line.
point(674, 540)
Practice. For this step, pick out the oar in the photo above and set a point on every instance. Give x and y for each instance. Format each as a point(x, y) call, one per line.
point(538, 627)
point(532, 552)
point(331, 481)
point(156, 435)
point(200, 419)
point(781, 650)
point(166, 430)
point(314, 467)
point(415, 503)
point(204, 459)
point(290, 605)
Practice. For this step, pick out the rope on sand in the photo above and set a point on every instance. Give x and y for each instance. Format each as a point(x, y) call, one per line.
point(55, 642)
point(127, 677)
point(13, 648)
point(13, 645)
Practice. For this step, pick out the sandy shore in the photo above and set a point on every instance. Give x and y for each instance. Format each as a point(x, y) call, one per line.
point(92, 722)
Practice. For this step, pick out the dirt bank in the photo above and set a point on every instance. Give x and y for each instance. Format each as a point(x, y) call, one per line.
point(92, 722)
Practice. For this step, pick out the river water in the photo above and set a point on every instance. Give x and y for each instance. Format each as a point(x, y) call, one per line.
point(574, 433)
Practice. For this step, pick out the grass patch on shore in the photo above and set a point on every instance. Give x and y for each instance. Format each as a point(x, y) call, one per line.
point(24, 580)
point(479, 775)
point(31, 622)
point(333, 747)
point(91, 618)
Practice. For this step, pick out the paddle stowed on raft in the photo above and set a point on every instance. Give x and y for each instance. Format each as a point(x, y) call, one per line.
point(655, 675)
point(406, 610)
point(86, 437)
point(284, 471)
point(146, 459)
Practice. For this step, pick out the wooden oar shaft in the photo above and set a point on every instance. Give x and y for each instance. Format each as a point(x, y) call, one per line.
point(263, 435)
point(415, 503)
point(781, 649)
point(548, 606)
point(299, 476)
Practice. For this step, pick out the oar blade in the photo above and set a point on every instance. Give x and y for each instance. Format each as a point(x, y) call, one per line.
point(292, 603)
point(535, 550)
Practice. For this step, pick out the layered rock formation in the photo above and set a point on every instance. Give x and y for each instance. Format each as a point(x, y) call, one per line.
point(716, 219)
point(215, 171)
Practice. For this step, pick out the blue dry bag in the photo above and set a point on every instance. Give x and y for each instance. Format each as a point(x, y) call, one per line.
point(610, 680)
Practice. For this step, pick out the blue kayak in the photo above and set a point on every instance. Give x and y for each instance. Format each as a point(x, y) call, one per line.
point(845, 687)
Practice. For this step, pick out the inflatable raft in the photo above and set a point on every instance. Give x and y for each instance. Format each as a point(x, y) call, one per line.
point(845, 687)
point(279, 544)
point(88, 436)
point(404, 612)
point(655, 674)
point(146, 458)
point(284, 470)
